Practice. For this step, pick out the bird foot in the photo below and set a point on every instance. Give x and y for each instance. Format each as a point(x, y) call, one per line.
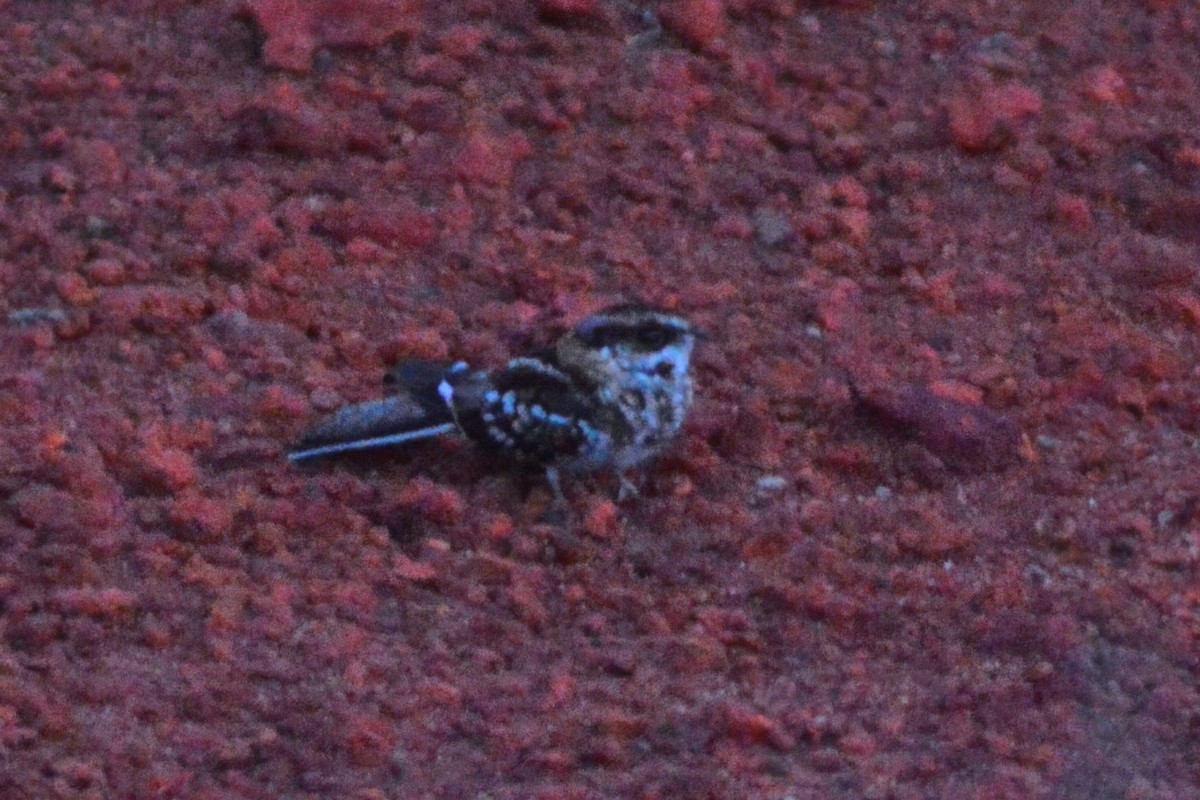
point(628, 490)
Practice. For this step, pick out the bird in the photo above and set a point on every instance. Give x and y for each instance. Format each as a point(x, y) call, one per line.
point(611, 394)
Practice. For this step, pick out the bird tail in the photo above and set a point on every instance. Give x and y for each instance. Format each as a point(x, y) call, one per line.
point(415, 412)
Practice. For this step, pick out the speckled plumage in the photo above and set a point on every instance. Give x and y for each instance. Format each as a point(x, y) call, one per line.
point(612, 394)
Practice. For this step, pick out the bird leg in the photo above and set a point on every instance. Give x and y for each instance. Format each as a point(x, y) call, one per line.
point(627, 488)
point(560, 510)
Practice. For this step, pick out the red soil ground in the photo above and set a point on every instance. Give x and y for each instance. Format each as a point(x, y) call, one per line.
point(932, 531)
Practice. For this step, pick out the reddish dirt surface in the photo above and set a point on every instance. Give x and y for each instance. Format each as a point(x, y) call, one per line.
point(933, 529)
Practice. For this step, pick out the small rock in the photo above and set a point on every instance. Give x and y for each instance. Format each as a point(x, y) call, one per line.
point(772, 228)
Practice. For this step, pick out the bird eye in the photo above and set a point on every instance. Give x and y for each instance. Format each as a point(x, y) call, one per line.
point(665, 370)
point(654, 338)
